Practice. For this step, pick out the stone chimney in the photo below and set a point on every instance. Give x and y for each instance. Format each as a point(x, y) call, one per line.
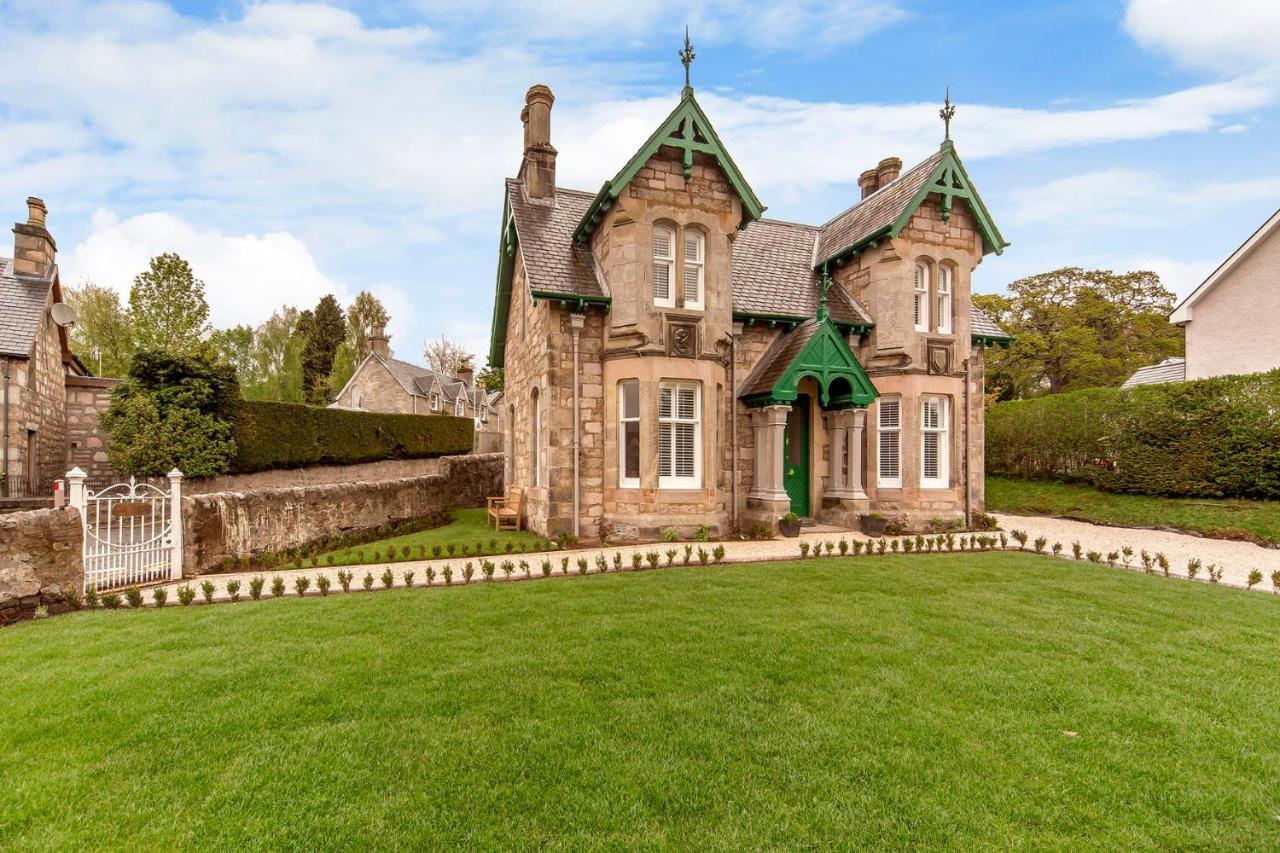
point(538, 168)
point(466, 374)
point(867, 182)
point(379, 343)
point(887, 171)
point(33, 246)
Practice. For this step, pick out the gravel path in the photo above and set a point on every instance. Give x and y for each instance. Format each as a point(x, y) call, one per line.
point(1237, 558)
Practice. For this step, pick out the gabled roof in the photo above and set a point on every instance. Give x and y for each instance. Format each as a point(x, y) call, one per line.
point(22, 301)
point(984, 330)
point(419, 381)
point(688, 129)
point(887, 211)
point(553, 261)
point(1182, 314)
point(1169, 370)
point(816, 349)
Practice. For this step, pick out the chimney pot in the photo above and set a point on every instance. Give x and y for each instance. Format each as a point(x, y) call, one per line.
point(538, 168)
point(867, 182)
point(36, 211)
point(33, 247)
point(465, 373)
point(888, 170)
point(379, 343)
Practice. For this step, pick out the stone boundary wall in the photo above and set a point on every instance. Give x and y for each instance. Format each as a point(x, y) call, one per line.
point(316, 475)
point(87, 398)
point(249, 523)
point(39, 558)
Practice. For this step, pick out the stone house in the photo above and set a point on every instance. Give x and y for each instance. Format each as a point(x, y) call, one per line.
point(49, 403)
point(1230, 319)
point(674, 359)
point(382, 383)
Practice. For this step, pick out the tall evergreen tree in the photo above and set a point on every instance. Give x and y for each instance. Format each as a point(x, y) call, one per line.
point(167, 307)
point(323, 330)
point(364, 313)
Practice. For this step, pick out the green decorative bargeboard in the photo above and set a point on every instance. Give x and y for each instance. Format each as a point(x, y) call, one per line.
point(826, 358)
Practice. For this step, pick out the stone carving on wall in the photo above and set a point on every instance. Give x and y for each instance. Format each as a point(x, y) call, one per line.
point(939, 358)
point(682, 340)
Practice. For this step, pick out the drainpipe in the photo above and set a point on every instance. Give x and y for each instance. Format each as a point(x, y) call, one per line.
point(4, 448)
point(735, 330)
point(576, 322)
point(968, 492)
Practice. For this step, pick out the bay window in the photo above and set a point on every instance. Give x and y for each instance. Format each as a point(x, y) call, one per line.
point(889, 442)
point(629, 434)
point(679, 436)
point(934, 447)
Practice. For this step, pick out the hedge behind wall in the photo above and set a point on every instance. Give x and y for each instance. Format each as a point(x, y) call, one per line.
point(288, 435)
point(1209, 438)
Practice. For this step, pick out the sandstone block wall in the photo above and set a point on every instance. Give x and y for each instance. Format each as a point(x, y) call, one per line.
point(86, 399)
point(235, 524)
point(39, 559)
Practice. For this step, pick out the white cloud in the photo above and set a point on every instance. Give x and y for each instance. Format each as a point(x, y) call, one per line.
point(1181, 277)
point(1230, 37)
point(1234, 128)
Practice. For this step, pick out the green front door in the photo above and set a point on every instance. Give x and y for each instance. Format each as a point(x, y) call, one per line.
point(795, 456)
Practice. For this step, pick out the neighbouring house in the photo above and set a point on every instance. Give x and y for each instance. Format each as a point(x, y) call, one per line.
point(1230, 319)
point(674, 359)
point(385, 384)
point(49, 403)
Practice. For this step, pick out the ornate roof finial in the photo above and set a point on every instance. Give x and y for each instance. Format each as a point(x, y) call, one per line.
point(823, 286)
point(686, 59)
point(946, 113)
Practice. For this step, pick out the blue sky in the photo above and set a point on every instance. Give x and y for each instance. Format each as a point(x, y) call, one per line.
point(291, 150)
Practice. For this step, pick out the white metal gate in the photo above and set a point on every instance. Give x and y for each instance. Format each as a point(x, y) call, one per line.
point(132, 531)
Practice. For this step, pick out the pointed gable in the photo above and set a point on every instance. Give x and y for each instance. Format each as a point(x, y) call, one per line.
point(815, 349)
point(689, 130)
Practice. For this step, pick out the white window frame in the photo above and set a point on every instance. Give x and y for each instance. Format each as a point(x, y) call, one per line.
point(942, 299)
point(672, 481)
point(355, 397)
point(435, 402)
point(698, 265)
point(484, 414)
point(935, 419)
point(921, 308)
point(459, 408)
point(668, 262)
point(883, 434)
point(625, 482)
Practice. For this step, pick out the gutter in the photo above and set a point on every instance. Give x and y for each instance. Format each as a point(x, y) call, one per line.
point(576, 322)
point(4, 448)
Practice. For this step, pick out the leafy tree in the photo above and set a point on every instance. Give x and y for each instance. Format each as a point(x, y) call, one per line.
point(101, 335)
point(172, 411)
point(274, 368)
point(323, 331)
point(1077, 328)
point(167, 308)
point(490, 378)
point(445, 356)
point(235, 346)
point(364, 313)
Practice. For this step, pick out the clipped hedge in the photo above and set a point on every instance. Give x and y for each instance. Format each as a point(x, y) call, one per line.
point(1207, 438)
point(289, 435)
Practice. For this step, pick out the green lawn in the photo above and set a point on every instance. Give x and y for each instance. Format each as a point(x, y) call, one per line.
point(1222, 518)
point(469, 527)
point(899, 702)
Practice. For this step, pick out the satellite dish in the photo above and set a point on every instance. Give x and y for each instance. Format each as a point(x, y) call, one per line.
point(63, 314)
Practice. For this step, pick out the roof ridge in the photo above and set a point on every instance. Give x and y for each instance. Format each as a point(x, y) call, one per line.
point(901, 175)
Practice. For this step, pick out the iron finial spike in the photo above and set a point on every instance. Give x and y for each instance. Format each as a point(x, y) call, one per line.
point(946, 113)
point(686, 58)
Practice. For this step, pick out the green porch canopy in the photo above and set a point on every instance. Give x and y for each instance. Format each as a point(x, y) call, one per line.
point(815, 349)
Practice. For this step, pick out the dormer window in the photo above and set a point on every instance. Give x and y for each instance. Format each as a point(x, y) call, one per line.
point(922, 297)
point(435, 402)
point(694, 253)
point(664, 266)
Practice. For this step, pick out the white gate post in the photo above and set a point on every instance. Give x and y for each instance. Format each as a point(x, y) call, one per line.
point(175, 521)
point(75, 486)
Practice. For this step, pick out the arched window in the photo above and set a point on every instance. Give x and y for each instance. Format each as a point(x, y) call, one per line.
point(694, 264)
point(664, 266)
point(943, 299)
point(922, 297)
point(535, 449)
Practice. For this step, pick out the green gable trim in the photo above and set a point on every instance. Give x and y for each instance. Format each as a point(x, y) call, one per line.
point(577, 301)
point(793, 320)
point(949, 181)
point(992, 340)
point(688, 129)
point(508, 241)
point(827, 359)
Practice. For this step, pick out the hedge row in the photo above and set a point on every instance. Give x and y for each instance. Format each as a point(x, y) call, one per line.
point(1208, 438)
point(288, 435)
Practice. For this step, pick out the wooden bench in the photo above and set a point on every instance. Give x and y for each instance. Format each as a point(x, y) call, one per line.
point(505, 512)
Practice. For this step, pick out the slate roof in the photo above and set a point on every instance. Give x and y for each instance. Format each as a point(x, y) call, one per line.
point(419, 380)
point(22, 300)
point(876, 212)
point(553, 262)
point(981, 325)
point(773, 274)
point(777, 358)
point(1169, 370)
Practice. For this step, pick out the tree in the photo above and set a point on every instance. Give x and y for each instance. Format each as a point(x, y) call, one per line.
point(445, 356)
point(101, 336)
point(323, 330)
point(1076, 328)
point(167, 308)
point(235, 347)
point(363, 315)
point(490, 378)
point(172, 411)
point(274, 369)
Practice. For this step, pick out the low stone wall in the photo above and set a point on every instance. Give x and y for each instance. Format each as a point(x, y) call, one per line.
point(39, 558)
point(316, 475)
point(248, 523)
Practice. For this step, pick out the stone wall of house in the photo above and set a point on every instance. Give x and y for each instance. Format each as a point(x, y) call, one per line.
point(379, 391)
point(235, 524)
point(86, 399)
point(528, 356)
point(39, 559)
point(37, 409)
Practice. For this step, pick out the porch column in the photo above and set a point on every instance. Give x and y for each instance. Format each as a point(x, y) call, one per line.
point(769, 423)
point(836, 446)
point(854, 432)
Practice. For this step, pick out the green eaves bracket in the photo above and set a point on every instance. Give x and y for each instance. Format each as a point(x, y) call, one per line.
point(681, 130)
point(825, 358)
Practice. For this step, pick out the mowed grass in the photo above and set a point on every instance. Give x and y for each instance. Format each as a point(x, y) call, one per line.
point(900, 702)
point(1223, 518)
point(469, 527)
